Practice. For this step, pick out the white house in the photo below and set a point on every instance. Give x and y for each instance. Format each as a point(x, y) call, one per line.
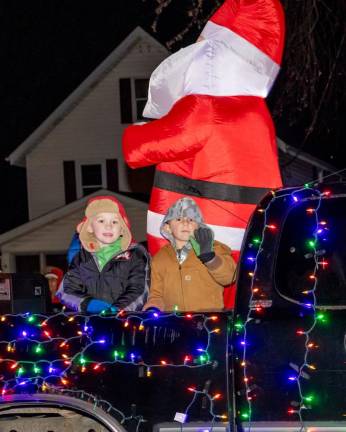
point(43, 241)
point(77, 151)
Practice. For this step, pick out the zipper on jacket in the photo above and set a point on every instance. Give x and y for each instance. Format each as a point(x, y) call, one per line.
point(99, 275)
point(181, 287)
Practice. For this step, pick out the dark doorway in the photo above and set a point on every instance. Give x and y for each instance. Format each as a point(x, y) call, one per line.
point(57, 260)
point(28, 263)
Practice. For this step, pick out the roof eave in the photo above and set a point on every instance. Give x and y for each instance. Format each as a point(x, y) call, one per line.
point(63, 211)
point(303, 156)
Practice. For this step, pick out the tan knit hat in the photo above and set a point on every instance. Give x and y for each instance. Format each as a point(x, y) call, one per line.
point(103, 204)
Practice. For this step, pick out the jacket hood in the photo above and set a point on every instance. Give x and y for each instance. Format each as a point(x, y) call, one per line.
point(184, 207)
point(103, 204)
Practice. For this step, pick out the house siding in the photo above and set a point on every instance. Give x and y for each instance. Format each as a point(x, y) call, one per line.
point(91, 131)
point(55, 237)
point(294, 171)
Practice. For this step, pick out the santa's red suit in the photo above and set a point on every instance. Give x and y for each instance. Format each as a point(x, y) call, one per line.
point(214, 139)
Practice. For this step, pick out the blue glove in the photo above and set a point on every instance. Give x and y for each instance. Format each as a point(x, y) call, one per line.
point(96, 306)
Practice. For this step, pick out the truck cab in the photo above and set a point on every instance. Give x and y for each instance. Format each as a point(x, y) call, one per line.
point(289, 332)
point(277, 363)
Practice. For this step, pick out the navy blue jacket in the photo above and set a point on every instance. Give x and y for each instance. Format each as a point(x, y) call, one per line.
point(123, 281)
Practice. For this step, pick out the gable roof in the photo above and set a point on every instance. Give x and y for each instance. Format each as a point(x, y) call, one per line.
point(65, 210)
point(17, 157)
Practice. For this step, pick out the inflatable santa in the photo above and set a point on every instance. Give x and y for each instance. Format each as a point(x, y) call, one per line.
point(213, 138)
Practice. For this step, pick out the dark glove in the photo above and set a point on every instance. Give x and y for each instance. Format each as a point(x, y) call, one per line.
point(202, 243)
point(96, 306)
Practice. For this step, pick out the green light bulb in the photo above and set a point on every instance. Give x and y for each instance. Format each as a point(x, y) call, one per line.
point(38, 349)
point(202, 358)
point(322, 317)
point(239, 325)
point(311, 244)
point(310, 398)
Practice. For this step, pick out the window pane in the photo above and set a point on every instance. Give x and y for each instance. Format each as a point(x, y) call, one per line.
point(91, 175)
point(140, 104)
point(141, 88)
point(302, 235)
point(90, 190)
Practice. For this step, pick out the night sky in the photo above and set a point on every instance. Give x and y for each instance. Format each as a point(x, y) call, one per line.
point(48, 47)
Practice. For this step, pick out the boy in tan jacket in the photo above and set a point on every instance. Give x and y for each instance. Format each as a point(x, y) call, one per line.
point(190, 272)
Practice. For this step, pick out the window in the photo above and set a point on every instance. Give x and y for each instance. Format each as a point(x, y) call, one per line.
point(90, 177)
point(133, 97)
point(84, 177)
point(140, 96)
point(297, 259)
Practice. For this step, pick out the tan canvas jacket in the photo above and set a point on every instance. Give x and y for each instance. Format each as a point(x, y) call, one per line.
point(191, 286)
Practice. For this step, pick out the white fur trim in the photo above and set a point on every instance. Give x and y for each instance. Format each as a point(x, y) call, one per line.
point(51, 275)
point(230, 236)
point(260, 61)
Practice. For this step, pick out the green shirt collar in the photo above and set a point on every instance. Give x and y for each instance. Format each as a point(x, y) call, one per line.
point(105, 254)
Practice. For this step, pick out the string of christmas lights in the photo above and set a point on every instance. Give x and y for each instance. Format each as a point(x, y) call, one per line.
point(258, 302)
point(211, 399)
point(305, 400)
point(40, 353)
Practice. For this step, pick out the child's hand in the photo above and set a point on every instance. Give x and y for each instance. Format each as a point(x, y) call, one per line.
point(202, 243)
point(96, 306)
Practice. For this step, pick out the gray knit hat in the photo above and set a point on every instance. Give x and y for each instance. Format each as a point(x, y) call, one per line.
point(184, 207)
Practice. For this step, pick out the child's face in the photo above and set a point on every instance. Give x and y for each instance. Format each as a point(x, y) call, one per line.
point(106, 228)
point(181, 229)
point(53, 285)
